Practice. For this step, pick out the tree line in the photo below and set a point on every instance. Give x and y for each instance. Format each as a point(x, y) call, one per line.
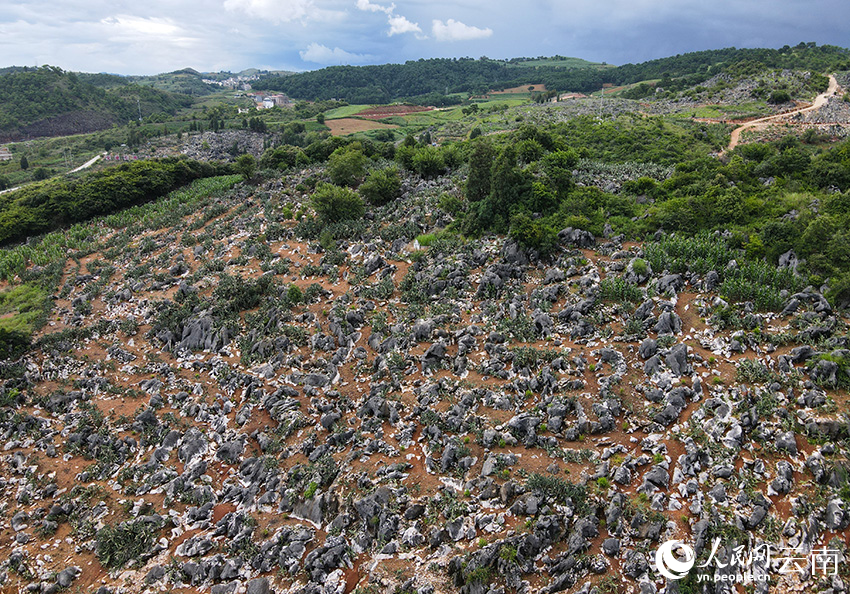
point(441, 77)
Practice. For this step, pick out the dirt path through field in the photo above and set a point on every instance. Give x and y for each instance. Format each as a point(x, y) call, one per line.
point(88, 163)
point(85, 165)
point(819, 102)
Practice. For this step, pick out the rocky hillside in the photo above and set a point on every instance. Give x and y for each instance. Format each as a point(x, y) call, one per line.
point(226, 400)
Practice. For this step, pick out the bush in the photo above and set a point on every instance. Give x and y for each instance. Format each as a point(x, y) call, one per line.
point(335, 204)
point(381, 186)
point(533, 233)
point(346, 166)
point(618, 290)
point(451, 204)
point(282, 157)
point(13, 343)
point(640, 267)
point(294, 294)
point(560, 490)
point(428, 162)
point(779, 97)
point(128, 541)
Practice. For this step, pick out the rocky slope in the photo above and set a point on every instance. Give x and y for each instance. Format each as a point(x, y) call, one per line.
point(220, 405)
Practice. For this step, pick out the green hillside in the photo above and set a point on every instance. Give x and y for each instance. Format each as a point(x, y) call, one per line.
point(48, 101)
point(391, 82)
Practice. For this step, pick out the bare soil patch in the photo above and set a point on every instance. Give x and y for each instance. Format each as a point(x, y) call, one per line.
point(345, 126)
point(522, 89)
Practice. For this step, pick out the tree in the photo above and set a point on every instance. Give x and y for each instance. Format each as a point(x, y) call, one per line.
point(334, 204)
point(510, 187)
point(4, 182)
point(320, 118)
point(25, 164)
point(480, 163)
point(246, 165)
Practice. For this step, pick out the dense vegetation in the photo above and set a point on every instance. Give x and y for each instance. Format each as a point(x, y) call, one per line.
point(771, 197)
point(767, 199)
point(384, 83)
point(806, 56)
point(441, 77)
point(32, 101)
point(42, 207)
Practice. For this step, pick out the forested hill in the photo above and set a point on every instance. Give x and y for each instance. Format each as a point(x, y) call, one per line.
point(808, 56)
point(384, 83)
point(388, 82)
point(48, 101)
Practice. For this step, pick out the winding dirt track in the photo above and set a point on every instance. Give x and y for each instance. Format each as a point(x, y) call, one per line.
point(819, 102)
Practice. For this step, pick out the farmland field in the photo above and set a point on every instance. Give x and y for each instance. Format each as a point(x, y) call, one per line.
point(385, 111)
point(345, 126)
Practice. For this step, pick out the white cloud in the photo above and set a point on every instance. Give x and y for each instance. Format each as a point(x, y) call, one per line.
point(368, 6)
point(399, 24)
point(453, 30)
point(278, 11)
point(321, 54)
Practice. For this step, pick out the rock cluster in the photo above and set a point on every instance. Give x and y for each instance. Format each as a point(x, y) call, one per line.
point(222, 405)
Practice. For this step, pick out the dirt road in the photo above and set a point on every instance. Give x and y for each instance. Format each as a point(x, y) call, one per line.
point(85, 165)
point(88, 163)
point(819, 102)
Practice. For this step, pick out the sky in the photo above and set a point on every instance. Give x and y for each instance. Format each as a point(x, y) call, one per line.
point(155, 36)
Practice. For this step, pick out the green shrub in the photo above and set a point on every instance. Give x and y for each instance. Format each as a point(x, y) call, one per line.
point(639, 267)
point(311, 490)
point(451, 204)
point(294, 294)
point(41, 207)
point(335, 204)
point(533, 233)
point(779, 97)
point(246, 166)
point(618, 290)
point(281, 157)
point(347, 165)
point(13, 343)
point(532, 357)
point(559, 490)
point(381, 186)
point(128, 541)
point(427, 161)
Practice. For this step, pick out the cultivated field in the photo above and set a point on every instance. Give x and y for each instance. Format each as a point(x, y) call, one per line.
point(345, 126)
